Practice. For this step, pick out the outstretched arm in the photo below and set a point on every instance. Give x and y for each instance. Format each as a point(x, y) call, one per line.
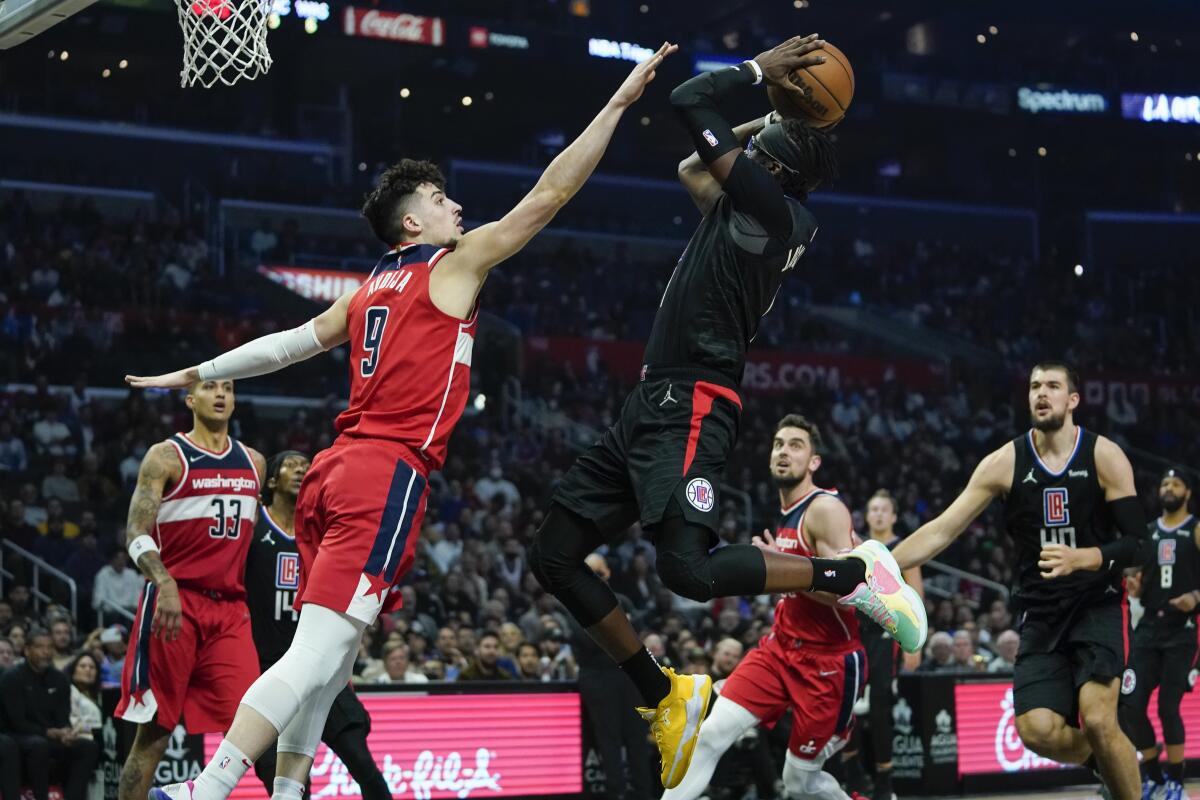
point(159, 466)
point(460, 273)
point(263, 355)
point(992, 478)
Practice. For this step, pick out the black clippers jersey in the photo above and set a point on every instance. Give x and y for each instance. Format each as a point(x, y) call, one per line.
point(1173, 570)
point(725, 282)
point(272, 578)
point(1065, 507)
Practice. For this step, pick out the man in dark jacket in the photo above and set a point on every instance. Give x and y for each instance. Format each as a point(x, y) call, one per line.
point(485, 666)
point(37, 707)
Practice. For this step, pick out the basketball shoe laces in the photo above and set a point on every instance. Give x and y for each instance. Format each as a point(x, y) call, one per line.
point(876, 609)
point(657, 723)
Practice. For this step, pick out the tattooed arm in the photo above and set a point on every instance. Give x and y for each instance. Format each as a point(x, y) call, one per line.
point(160, 466)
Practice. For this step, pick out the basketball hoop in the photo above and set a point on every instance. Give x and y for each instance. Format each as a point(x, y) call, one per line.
point(223, 41)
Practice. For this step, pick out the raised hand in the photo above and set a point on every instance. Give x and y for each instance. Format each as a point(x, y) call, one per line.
point(642, 74)
point(796, 53)
point(766, 541)
point(180, 379)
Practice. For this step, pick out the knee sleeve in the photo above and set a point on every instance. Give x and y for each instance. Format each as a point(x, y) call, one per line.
point(686, 573)
point(314, 659)
point(556, 560)
point(1169, 699)
point(303, 733)
point(805, 780)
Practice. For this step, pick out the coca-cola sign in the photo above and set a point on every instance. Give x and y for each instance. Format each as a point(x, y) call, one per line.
point(456, 746)
point(410, 28)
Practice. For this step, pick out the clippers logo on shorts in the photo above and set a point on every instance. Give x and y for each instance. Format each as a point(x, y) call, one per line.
point(1166, 551)
point(1054, 507)
point(1128, 682)
point(700, 494)
point(287, 571)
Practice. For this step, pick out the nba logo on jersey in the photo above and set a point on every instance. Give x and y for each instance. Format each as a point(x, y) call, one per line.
point(287, 571)
point(1166, 551)
point(1054, 506)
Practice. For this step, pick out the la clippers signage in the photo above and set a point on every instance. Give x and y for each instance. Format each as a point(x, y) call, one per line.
point(987, 730)
point(457, 746)
point(394, 27)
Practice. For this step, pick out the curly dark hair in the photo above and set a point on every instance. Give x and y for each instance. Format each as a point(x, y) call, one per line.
point(384, 206)
point(820, 166)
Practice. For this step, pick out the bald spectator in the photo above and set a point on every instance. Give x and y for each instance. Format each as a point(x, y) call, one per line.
point(1006, 652)
point(965, 657)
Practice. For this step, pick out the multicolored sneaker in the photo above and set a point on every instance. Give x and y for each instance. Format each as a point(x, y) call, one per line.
point(172, 791)
point(1172, 790)
point(1150, 789)
point(887, 599)
point(675, 723)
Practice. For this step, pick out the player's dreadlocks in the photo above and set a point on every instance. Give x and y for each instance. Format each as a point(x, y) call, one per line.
point(820, 166)
point(273, 467)
point(385, 205)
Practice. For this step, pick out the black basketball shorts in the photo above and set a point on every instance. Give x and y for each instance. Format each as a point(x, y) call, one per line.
point(674, 434)
point(1060, 652)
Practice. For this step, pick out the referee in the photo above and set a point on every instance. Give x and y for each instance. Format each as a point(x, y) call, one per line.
point(272, 577)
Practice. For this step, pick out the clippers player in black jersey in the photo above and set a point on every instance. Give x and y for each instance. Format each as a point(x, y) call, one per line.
point(272, 578)
point(883, 660)
point(1164, 642)
point(1066, 493)
point(663, 459)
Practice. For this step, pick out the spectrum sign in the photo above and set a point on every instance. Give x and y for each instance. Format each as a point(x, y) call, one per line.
point(1161, 108)
point(455, 746)
point(1036, 101)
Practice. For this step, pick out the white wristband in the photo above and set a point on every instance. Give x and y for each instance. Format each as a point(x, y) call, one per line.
point(758, 75)
point(140, 546)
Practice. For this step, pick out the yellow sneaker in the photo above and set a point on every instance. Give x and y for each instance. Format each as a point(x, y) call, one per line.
point(676, 722)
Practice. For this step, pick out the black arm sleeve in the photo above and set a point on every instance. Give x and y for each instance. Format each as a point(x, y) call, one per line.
point(696, 101)
point(755, 192)
point(1131, 548)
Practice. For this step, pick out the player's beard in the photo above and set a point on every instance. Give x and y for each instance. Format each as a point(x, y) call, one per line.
point(1171, 502)
point(1052, 423)
point(786, 482)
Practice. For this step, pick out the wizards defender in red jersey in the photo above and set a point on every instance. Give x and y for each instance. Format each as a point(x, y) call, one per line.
point(191, 519)
point(812, 662)
point(411, 329)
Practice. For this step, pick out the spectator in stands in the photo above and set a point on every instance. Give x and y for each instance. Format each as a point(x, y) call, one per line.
point(51, 435)
point(62, 636)
point(96, 490)
point(35, 512)
point(84, 673)
point(117, 587)
point(85, 562)
point(112, 661)
point(529, 662)
point(52, 545)
point(941, 654)
point(56, 515)
point(725, 656)
point(16, 528)
point(59, 485)
point(8, 654)
point(483, 666)
point(37, 704)
point(6, 614)
point(965, 657)
point(558, 661)
point(495, 485)
point(398, 668)
point(16, 634)
point(1006, 652)
point(13, 456)
point(446, 551)
point(18, 600)
point(639, 583)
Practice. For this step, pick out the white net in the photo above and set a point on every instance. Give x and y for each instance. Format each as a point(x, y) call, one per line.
point(223, 41)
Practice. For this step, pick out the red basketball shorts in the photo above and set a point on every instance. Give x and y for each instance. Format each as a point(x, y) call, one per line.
point(201, 675)
point(820, 688)
point(358, 517)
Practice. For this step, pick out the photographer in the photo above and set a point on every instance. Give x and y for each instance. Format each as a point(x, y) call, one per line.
point(37, 705)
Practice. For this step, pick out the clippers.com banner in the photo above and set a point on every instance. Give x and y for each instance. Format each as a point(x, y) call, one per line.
point(456, 746)
point(987, 730)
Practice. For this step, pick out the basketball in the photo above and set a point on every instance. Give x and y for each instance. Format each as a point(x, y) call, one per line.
point(819, 94)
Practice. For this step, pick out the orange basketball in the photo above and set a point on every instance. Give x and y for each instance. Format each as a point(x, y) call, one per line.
point(821, 94)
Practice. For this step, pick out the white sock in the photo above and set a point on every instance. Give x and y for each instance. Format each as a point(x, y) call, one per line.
point(222, 774)
point(287, 789)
